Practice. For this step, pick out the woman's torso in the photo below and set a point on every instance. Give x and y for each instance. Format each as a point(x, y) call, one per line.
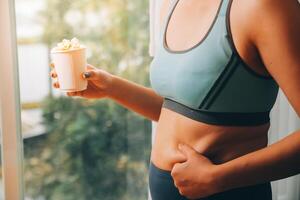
point(190, 22)
point(218, 143)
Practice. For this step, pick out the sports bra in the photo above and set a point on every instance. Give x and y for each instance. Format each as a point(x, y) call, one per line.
point(210, 82)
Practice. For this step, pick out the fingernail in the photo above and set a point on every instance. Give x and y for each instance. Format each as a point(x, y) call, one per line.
point(86, 74)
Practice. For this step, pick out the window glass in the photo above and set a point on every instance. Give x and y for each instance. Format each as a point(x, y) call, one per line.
point(76, 148)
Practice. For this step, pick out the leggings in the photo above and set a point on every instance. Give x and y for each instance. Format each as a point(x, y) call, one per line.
point(162, 188)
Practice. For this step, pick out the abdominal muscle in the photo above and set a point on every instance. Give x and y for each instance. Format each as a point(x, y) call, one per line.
point(218, 143)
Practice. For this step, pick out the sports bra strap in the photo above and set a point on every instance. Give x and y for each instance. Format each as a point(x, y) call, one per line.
point(171, 7)
point(224, 7)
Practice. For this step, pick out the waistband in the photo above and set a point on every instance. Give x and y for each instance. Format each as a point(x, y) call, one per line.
point(218, 118)
point(161, 185)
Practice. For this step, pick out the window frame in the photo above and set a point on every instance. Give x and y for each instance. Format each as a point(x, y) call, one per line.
point(10, 114)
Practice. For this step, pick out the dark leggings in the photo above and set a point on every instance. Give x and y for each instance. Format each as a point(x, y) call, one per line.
point(162, 188)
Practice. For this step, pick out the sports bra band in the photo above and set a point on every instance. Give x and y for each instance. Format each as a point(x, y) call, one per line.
point(218, 118)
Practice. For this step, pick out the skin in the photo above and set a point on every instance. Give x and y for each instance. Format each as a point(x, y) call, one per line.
point(200, 156)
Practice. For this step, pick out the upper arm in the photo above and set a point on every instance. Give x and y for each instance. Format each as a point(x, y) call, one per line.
point(276, 35)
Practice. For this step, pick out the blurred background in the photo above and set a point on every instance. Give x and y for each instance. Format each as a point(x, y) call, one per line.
point(74, 148)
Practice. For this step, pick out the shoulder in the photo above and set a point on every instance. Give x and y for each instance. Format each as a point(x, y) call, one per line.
point(262, 6)
point(268, 24)
point(259, 15)
point(273, 27)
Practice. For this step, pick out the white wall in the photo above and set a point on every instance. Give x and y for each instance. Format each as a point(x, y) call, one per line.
point(284, 121)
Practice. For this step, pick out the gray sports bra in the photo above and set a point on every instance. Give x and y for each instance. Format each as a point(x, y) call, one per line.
point(210, 82)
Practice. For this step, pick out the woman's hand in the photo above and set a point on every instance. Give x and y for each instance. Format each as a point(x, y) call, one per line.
point(99, 82)
point(196, 177)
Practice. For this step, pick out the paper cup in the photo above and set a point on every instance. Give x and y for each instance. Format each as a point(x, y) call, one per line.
point(69, 66)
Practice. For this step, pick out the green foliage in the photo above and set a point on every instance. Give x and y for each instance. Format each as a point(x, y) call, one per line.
point(89, 152)
point(94, 149)
point(115, 32)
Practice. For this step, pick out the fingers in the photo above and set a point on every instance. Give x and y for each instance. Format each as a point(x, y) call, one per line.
point(90, 75)
point(55, 85)
point(186, 150)
point(72, 94)
point(177, 167)
point(53, 74)
point(52, 65)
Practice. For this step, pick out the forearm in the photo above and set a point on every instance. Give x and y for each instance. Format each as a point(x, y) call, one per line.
point(277, 161)
point(137, 98)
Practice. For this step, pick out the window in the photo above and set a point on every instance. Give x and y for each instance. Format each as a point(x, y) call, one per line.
point(76, 148)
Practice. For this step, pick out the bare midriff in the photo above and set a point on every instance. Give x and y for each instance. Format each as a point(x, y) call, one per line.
point(219, 143)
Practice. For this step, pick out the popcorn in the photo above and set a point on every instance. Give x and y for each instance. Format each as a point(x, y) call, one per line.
point(68, 45)
point(75, 43)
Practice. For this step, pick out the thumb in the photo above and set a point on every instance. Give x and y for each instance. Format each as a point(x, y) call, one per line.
point(90, 75)
point(186, 150)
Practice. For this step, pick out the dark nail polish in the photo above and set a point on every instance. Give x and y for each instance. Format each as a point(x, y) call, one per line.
point(87, 74)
